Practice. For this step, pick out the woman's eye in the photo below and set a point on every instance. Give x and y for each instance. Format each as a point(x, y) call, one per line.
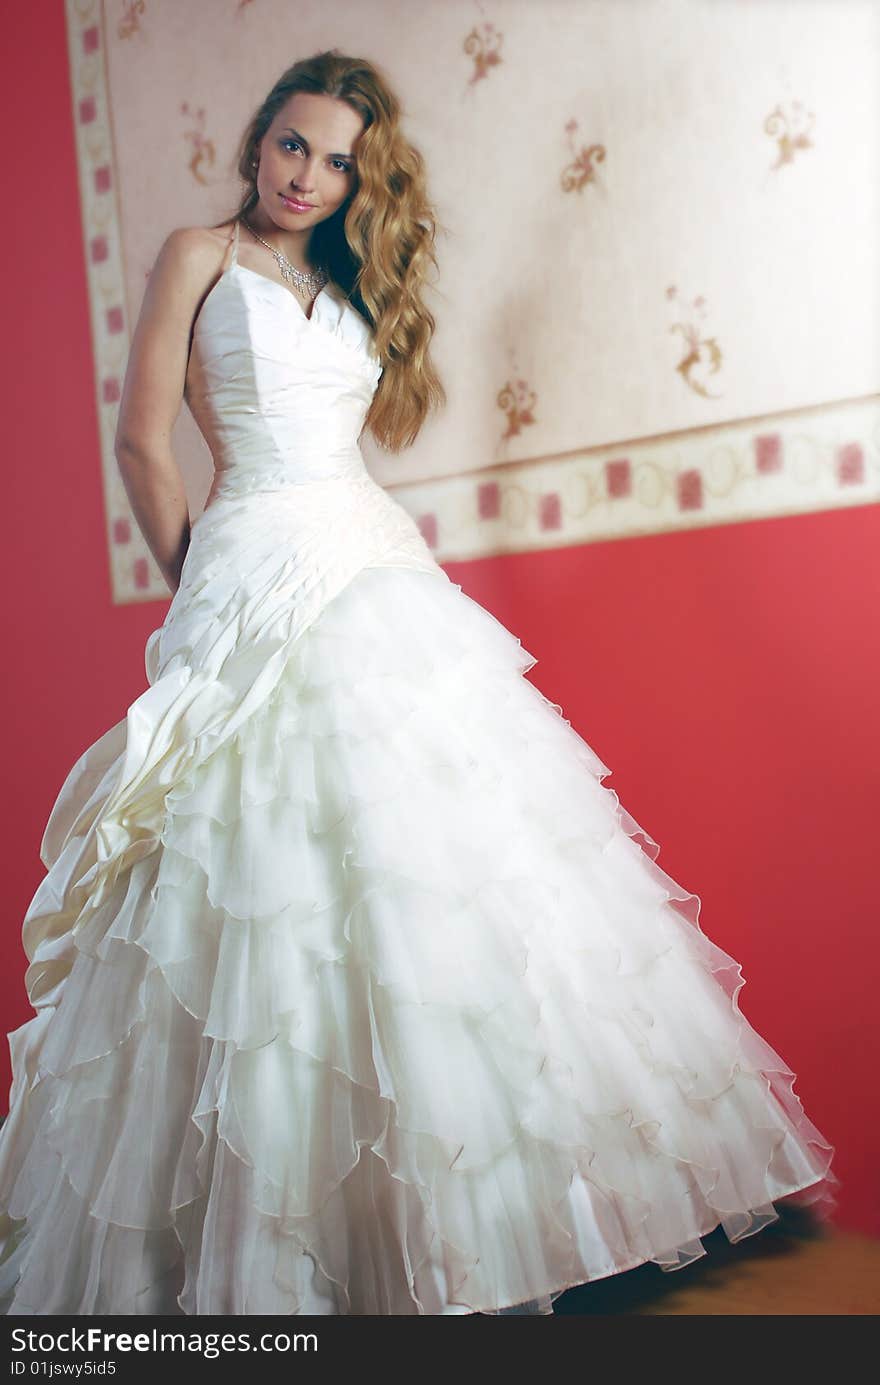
point(339, 163)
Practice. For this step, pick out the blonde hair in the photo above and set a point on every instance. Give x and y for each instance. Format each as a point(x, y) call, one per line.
point(379, 245)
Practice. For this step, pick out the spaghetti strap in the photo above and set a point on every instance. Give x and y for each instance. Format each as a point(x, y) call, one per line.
point(234, 259)
point(232, 243)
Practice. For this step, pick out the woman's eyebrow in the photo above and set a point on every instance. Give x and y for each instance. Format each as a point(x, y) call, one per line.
point(290, 130)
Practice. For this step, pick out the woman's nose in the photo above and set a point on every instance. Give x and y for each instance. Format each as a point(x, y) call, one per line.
point(305, 175)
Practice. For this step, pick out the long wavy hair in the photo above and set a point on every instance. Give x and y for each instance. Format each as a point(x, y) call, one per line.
point(378, 246)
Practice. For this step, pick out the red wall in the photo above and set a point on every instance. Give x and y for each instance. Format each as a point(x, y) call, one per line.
point(725, 675)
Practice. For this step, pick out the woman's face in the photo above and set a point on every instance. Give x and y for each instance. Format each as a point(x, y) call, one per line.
point(307, 155)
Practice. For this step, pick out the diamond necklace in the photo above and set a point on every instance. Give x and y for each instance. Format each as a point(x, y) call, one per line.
point(310, 284)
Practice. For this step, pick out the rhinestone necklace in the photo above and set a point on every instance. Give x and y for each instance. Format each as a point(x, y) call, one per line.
point(309, 284)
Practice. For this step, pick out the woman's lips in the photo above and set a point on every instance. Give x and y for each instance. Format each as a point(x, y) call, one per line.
point(296, 206)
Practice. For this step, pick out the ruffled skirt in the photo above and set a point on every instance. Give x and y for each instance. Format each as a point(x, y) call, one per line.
point(373, 1001)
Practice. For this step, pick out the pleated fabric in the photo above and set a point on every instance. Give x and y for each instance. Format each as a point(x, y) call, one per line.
point(398, 1014)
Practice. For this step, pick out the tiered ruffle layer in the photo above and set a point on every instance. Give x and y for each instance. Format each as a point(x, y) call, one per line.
point(371, 998)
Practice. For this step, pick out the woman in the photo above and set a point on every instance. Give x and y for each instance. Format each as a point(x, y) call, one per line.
point(356, 992)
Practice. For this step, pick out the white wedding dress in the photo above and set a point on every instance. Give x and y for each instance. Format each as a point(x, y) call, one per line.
point(356, 991)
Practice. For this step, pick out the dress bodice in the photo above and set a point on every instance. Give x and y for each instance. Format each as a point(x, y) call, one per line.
point(293, 514)
point(278, 396)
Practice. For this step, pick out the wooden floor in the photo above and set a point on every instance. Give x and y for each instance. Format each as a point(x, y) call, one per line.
point(796, 1266)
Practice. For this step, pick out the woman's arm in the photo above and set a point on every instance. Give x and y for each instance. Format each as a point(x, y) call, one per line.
point(153, 393)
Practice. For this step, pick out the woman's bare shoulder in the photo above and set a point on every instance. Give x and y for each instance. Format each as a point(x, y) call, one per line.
point(191, 257)
point(199, 241)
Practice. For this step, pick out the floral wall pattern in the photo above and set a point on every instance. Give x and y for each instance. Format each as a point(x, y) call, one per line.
point(659, 286)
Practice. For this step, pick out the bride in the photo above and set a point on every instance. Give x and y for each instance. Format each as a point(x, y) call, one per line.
point(355, 990)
